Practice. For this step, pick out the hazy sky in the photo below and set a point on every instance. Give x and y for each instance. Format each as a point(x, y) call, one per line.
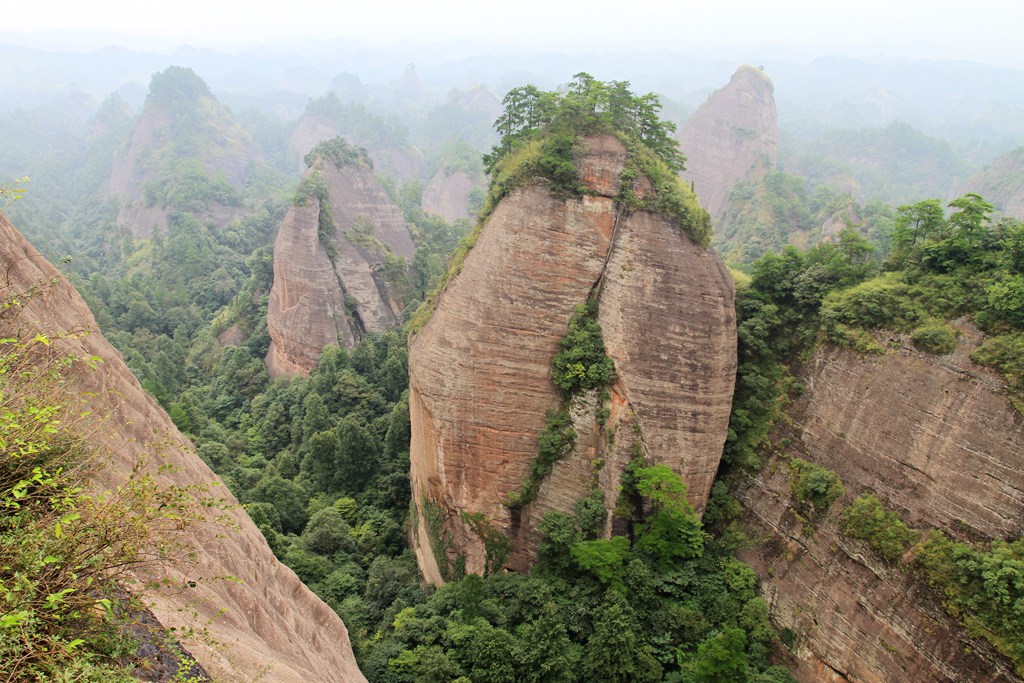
point(982, 30)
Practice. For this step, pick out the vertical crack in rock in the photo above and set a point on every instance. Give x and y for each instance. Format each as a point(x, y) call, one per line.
point(480, 369)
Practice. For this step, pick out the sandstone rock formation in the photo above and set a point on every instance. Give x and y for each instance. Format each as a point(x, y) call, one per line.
point(1002, 183)
point(183, 132)
point(480, 369)
point(448, 195)
point(936, 440)
point(731, 136)
point(265, 626)
point(332, 290)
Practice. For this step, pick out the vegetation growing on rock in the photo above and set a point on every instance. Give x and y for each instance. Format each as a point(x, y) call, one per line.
point(540, 130)
point(982, 584)
point(69, 554)
point(581, 363)
point(339, 152)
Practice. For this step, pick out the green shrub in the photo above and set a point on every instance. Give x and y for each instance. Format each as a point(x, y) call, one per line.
point(868, 520)
point(935, 338)
point(881, 302)
point(984, 587)
point(856, 339)
point(1006, 299)
point(340, 153)
point(672, 198)
point(814, 484)
point(1005, 353)
point(582, 364)
point(604, 558)
point(554, 441)
point(672, 531)
point(67, 553)
point(312, 186)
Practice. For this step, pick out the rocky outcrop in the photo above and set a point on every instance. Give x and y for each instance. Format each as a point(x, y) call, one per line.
point(937, 441)
point(448, 195)
point(731, 136)
point(332, 289)
point(480, 369)
point(1002, 183)
point(184, 138)
point(266, 625)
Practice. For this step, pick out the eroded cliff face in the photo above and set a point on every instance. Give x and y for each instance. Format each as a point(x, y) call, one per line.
point(334, 289)
point(937, 441)
point(732, 136)
point(265, 626)
point(480, 369)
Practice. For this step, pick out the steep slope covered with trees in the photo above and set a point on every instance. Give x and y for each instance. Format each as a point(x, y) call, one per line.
point(878, 457)
point(186, 153)
point(1002, 183)
point(384, 136)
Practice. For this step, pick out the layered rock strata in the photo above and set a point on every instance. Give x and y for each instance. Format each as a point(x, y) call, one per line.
point(266, 625)
point(730, 137)
point(937, 441)
point(331, 287)
point(480, 369)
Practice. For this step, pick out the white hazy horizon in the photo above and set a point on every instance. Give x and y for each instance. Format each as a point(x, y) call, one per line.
point(985, 31)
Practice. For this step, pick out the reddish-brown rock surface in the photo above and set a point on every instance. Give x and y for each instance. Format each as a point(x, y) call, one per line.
point(480, 369)
point(732, 135)
point(316, 301)
point(265, 626)
point(936, 440)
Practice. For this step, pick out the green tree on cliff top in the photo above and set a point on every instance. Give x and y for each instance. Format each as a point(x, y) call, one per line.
point(586, 105)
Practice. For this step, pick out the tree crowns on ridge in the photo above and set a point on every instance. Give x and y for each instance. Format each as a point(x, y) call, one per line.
point(339, 152)
point(586, 106)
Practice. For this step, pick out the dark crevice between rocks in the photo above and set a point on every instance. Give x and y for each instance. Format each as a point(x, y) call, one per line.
point(621, 212)
point(159, 656)
point(352, 320)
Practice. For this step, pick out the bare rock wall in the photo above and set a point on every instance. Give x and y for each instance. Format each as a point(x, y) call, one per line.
point(936, 440)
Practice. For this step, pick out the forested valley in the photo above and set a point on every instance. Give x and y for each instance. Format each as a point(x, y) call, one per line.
point(834, 246)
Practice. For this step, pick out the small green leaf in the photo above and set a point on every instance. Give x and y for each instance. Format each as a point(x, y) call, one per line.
point(9, 620)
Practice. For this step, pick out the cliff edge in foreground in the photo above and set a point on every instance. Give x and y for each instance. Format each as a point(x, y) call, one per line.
point(266, 625)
